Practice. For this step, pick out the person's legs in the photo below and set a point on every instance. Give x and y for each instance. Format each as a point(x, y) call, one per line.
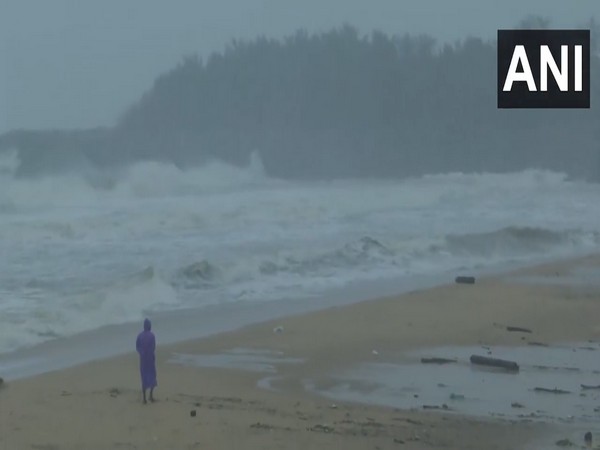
point(152, 394)
point(144, 395)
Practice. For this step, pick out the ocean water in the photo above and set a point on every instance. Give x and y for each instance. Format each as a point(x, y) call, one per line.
point(86, 250)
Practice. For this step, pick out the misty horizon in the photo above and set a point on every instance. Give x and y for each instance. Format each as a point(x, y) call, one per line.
point(82, 67)
point(336, 104)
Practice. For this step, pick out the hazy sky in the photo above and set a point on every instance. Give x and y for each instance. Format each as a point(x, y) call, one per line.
point(80, 63)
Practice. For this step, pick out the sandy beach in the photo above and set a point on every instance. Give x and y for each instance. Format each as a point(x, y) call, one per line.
point(248, 388)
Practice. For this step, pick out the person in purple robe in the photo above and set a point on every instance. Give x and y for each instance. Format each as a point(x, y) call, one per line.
point(146, 345)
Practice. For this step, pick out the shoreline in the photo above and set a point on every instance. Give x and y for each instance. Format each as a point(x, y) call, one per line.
point(179, 326)
point(249, 385)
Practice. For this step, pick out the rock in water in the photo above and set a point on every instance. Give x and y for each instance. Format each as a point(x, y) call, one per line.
point(201, 270)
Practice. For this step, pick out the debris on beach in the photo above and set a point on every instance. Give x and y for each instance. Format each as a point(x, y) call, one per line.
point(494, 362)
point(454, 396)
point(414, 438)
point(518, 329)
point(193, 413)
point(437, 407)
point(278, 329)
point(261, 426)
point(587, 386)
point(375, 352)
point(569, 369)
point(537, 344)
point(591, 349)
point(565, 443)
point(516, 405)
point(551, 391)
point(437, 361)
point(321, 428)
point(531, 415)
point(465, 280)
point(515, 329)
point(114, 392)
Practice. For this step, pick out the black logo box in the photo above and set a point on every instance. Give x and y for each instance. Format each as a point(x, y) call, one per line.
point(520, 96)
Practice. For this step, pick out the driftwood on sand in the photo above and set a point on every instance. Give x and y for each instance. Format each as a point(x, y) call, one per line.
point(551, 391)
point(537, 344)
point(444, 407)
point(518, 329)
point(464, 280)
point(437, 360)
point(494, 362)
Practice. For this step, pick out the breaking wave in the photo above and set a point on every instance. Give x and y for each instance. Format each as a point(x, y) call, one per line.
point(78, 243)
point(415, 256)
point(122, 301)
point(519, 241)
point(146, 179)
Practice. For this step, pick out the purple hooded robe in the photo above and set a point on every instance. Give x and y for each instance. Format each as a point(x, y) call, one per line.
point(145, 345)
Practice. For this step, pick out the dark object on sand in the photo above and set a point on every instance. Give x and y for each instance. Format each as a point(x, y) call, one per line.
point(519, 329)
point(443, 407)
point(588, 438)
point(565, 443)
point(1, 381)
point(321, 428)
point(494, 362)
point(193, 413)
point(570, 369)
point(437, 360)
point(551, 391)
point(588, 386)
point(465, 280)
point(114, 392)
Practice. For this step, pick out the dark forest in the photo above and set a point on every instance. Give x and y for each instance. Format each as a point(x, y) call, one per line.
point(331, 105)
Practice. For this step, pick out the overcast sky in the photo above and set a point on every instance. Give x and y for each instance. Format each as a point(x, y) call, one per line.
point(80, 63)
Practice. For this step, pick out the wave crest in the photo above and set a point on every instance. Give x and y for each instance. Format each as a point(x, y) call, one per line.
point(516, 241)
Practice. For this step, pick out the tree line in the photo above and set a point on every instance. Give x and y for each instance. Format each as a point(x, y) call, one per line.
point(337, 104)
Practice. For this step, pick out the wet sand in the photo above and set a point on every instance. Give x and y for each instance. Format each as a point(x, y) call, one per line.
point(265, 386)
